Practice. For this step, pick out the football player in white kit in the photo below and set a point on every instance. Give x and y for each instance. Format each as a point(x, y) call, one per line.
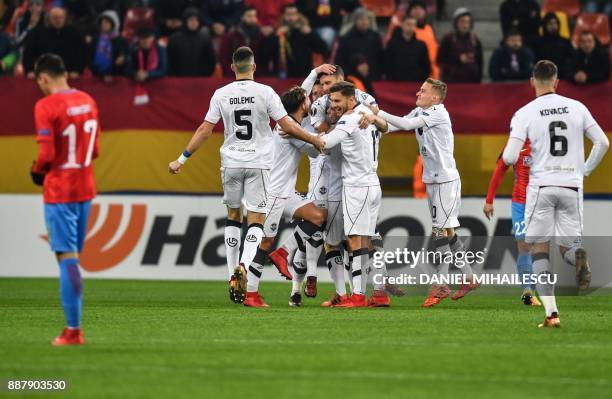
point(434, 133)
point(283, 200)
point(556, 127)
point(246, 158)
point(361, 194)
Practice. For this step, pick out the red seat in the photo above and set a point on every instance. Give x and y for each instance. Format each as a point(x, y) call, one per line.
point(596, 23)
point(570, 7)
point(380, 8)
point(136, 18)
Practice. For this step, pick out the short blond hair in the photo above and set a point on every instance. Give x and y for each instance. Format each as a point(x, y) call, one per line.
point(438, 86)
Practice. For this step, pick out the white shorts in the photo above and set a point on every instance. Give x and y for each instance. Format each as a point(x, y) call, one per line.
point(334, 227)
point(553, 212)
point(279, 207)
point(444, 202)
point(317, 186)
point(245, 184)
point(360, 208)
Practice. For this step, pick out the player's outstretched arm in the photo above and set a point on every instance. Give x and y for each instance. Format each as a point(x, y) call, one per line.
point(494, 183)
point(402, 123)
point(371, 119)
point(295, 130)
point(199, 137)
point(600, 147)
point(334, 138)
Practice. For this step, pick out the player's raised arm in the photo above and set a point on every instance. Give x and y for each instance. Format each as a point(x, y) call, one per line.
point(311, 79)
point(199, 137)
point(403, 123)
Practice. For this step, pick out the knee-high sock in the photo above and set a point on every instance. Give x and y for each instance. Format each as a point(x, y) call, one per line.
point(347, 256)
point(456, 245)
point(232, 245)
point(255, 270)
point(298, 271)
point(524, 268)
point(541, 267)
point(302, 232)
point(251, 243)
point(335, 264)
point(442, 248)
point(358, 268)
point(314, 246)
point(71, 291)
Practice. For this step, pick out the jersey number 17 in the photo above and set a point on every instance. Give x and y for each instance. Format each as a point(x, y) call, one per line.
point(90, 127)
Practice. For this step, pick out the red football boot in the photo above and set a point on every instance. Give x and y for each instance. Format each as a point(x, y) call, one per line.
point(310, 289)
point(279, 259)
point(464, 289)
point(436, 295)
point(551, 321)
point(70, 336)
point(379, 299)
point(254, 300)
point(335, 300)
point(355, 301)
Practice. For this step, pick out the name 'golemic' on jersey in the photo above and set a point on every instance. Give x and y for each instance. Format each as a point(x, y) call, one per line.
point(246, 108)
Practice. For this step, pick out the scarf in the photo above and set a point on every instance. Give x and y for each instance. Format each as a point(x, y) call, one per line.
point(152, 62)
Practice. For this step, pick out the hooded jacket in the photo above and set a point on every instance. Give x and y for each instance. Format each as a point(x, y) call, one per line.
point(452, 45)
point(191, 53)
point(554, 48)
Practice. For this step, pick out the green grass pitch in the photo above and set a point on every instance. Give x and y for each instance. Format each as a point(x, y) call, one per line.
point(159, 339)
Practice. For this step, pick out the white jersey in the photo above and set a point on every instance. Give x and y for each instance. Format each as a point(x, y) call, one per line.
point(359, 150)
point(246, 108)
point(436, 144)
point(555, 125)
point(287, 154)
point(318, 110)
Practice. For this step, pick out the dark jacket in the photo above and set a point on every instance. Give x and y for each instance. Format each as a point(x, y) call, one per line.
point(556, 49)
point(367, 43)
point(227, 12)
point(310, 8)
point(596, 65)
point(406, 60)
point(451, 47)
point(265, 49)
point(65, 42)
point(162, 66)
point(191, 53)
point(171, 9)
point(500, 67)
point(299, 50)
point(523, 15)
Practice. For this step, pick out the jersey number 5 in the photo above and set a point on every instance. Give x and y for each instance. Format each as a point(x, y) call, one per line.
point(558, 144)
point(90, 126)
point(239, 116)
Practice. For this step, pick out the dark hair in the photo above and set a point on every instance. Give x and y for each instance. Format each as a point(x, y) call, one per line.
point(51, 64)
point(242, 54)
point(512, 32)
point(339, 74)
point(293, 98)
point(247, 9)
point(545, 70)
point(347, 89)
point(286, 6)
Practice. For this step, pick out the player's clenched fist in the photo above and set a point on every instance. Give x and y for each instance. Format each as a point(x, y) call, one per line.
point(174, 167)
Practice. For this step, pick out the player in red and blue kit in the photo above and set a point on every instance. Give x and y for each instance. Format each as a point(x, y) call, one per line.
point(67, 132)
point(521, 180)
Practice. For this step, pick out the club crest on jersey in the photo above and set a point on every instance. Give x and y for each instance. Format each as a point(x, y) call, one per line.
point(273, 226)
point(341, 122)
point(527, 161)
point(313, 111)
point(232, 242)
point(251, 238)
point(323, 190)
point(262, 205)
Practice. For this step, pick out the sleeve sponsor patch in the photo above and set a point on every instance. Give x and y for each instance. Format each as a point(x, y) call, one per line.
point(44, 132)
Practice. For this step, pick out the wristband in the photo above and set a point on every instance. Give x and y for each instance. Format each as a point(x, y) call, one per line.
point(184, 157)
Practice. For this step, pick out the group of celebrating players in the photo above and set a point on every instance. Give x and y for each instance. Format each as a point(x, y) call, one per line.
point(339, 127)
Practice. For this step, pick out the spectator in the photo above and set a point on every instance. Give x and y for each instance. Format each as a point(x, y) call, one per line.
point(108, 49)
point(298, 42)
point(168, 14)
point(598, 6)
point(7, 8)
point(32, 19)
point(190, 51)
point(249, 33)
point(591, 61)
point(361, 39)
point(523, 15)
point(148, 59)
point(8, 54)
point(360, 77)
point(325, 16)
point(58, 38)
point(460, 53)
point(551, 46)
point(268, 12)
point(221, 15)
point(406, 57)
point(512, 60)
point(425, 33)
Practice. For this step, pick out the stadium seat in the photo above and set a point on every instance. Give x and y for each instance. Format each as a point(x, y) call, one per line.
point(136, 18)
point(380, 8)
point(564, 28)
point(570, 7)
point(596, 23)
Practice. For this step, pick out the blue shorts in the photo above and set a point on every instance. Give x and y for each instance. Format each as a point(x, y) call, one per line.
point(518, 220)
point(67, 225)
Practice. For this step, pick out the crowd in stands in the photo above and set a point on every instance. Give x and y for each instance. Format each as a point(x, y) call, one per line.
point(149, 39)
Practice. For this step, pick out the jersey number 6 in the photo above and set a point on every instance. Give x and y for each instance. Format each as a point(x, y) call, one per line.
point(238, 119)
point(554, 139)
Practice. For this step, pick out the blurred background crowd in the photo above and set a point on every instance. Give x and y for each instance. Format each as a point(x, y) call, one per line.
point(467, 41)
